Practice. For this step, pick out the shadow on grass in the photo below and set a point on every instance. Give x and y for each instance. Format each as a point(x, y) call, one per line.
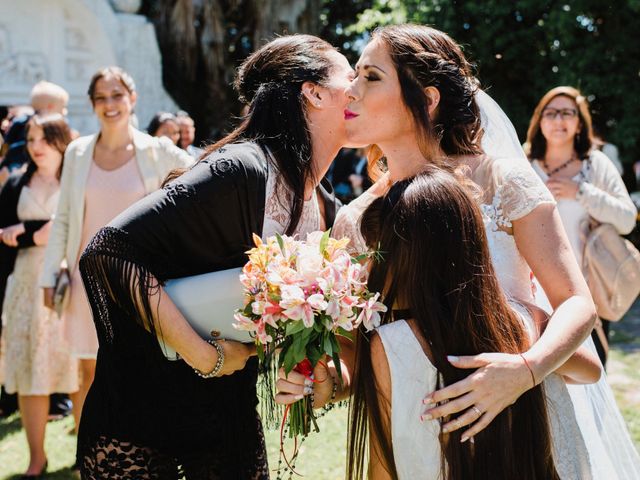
point(625, 334)
point(9, 425)
point(65, 473)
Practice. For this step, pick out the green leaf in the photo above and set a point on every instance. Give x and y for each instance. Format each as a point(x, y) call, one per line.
point(314, 354)
point(327, 344)
point(289, 360)
point(281, 243)
point(295, 327)
point(324, 241)
point(336, 361)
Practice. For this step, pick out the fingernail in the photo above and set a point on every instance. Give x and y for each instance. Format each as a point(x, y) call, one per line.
point(428, 401)
point(452, 358)
point(427, 416)
point(299, 397)
point(464, 439)
point(445, 429)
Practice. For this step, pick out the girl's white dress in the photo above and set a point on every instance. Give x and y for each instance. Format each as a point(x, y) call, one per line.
point(510, 191)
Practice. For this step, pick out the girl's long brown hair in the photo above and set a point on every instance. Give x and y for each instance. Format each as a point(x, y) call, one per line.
point(436, 262)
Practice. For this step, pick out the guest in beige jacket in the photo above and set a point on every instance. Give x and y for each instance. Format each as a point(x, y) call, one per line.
point(103, 175)
point(584, 182)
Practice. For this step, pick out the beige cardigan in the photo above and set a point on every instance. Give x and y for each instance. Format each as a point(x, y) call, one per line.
point(156, 157)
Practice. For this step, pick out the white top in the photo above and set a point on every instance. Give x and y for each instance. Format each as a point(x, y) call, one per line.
point(277, 211)
point(605, 198)
point(416, 448)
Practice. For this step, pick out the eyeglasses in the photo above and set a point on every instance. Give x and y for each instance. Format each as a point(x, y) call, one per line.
point(565, 113)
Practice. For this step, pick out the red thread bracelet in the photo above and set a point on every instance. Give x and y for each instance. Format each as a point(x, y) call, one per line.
point(533, 378)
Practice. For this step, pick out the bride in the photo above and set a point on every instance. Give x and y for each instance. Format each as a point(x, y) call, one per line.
point(416, 100)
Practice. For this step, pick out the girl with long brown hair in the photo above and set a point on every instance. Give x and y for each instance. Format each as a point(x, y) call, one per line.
point(435, 268)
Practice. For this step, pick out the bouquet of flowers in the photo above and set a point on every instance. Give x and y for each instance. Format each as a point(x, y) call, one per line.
point(300, 296)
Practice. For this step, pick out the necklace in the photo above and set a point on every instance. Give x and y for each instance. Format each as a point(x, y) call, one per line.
point(558, 168)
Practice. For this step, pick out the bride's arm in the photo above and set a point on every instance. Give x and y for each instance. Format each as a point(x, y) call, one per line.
point(582, 367)
point(502, 378)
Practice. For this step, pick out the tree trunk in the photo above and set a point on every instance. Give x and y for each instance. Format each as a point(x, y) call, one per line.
point(204, 41)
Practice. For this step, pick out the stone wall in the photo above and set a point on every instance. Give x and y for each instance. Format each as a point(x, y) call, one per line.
point(66, 41)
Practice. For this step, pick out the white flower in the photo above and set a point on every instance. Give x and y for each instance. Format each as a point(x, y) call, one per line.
point(370, 315)
point(309, 263)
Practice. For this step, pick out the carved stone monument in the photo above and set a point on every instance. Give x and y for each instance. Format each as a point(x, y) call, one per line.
point(66, 41)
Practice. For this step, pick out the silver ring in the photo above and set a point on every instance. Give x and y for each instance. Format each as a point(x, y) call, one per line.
point(477, 410)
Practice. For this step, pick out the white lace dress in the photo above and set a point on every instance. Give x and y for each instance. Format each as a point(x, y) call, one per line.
point(34, 355)
point(511, 191)
point(277, 212)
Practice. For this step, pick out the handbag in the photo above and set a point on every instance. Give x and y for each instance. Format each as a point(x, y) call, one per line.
point(611, 265)
point(208, 302)
point(60, 289)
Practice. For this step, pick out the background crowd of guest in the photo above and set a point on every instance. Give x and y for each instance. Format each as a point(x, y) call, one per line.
point(58, 191)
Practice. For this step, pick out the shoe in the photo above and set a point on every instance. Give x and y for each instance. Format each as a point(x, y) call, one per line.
point(8, 403)
point(37, 476)
point(60, 406)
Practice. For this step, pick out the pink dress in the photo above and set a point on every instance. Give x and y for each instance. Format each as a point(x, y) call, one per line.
point(107, 193)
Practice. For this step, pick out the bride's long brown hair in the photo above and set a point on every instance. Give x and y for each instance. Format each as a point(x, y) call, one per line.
point(426, 57)
point(436, 262)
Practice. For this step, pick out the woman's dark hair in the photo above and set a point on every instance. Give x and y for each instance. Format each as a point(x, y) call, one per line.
point(117, 72)
point(158, 119)
point(426, 57)
point(56, 132)
point(436, 263)
point(583, 142)
point(270, 82)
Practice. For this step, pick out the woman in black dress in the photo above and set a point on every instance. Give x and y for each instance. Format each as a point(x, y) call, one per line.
point(149, 418)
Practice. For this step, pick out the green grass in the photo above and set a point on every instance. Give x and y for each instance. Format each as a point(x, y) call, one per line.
point(321, 456)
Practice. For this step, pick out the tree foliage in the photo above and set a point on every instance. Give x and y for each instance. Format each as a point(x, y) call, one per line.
point(203, 42)
point(525, 47)
point(521, 48)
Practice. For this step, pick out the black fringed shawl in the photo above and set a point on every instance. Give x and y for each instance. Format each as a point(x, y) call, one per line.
point(201, 222)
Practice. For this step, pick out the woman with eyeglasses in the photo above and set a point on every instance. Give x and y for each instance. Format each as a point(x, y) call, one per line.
point(583, 180)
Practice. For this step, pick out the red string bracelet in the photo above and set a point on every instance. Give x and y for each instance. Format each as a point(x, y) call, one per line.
point(533, 378)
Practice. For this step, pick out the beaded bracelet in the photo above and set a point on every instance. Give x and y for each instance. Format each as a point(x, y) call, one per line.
point(334, 390)
point(219, 363)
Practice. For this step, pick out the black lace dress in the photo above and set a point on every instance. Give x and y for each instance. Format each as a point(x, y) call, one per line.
point(146, 417)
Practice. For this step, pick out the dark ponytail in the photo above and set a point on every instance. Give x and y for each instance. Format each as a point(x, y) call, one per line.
point(270, 82)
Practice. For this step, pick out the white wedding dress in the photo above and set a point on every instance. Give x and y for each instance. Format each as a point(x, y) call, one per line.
point(511, 191)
